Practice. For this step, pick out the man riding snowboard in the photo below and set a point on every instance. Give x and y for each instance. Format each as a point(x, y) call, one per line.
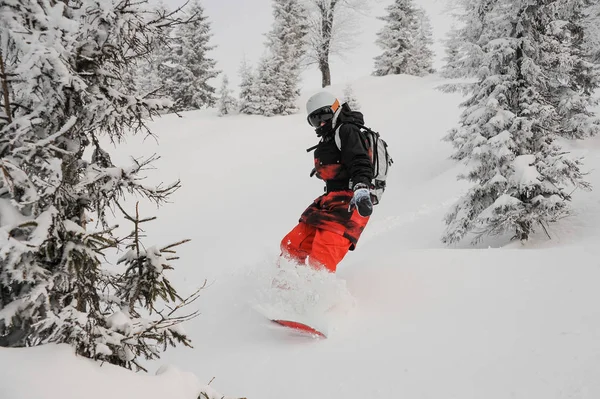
point(333, 223)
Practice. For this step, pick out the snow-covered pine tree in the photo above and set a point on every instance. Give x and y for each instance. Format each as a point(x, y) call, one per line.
point(248, 96)
point(571, 77)
point(191, 66)
point(227, 103)
point(63, 65)
point(508, 130)
point(279, 68)
point(422, 53)
point(464, 45)
point(453, 41)
point(403, 53)
point(452, 46)
point(350, 97)
point(269, 93)
point(137, 324)
point(154, 71)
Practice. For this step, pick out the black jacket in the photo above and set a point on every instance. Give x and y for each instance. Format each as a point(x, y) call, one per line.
point(343, 169)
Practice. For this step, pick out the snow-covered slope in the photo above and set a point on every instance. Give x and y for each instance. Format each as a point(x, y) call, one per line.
point(495, 321)
point(53, 371)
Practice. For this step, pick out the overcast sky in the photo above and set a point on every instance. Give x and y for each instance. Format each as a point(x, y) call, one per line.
point(238, 28)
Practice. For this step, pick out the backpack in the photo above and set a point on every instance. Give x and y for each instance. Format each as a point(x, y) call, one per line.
point(380, 159)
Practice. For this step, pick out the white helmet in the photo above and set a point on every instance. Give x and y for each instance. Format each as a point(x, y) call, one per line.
point(319, 104)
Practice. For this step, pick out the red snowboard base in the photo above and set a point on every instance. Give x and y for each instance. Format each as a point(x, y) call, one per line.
point(300, 327)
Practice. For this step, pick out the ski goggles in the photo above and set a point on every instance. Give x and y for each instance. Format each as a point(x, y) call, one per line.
point(320, 116)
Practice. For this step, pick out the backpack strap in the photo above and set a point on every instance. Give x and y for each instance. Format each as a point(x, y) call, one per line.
point(327, 139)
point(337, 138)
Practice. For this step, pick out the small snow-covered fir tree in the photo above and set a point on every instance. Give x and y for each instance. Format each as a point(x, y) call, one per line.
point(248, 96)
point(153, 70)
point(422, 52)
point(268, 88)
point(191, 66)
point(279, 69)
point(350, 97)
point(67, 63)
point(406, 40)
point(452, 47)
point(227, 103)
point(507, 134)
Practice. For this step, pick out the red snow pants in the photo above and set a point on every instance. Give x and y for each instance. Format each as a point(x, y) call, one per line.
point(323, 248)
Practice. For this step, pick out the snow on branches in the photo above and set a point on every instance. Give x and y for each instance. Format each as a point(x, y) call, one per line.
point(249, 100)
point(524, 100)
point(275, 89)
point(227, 103)
point(66, 83)
point(191, 67)
point(178, 64)
point(406, 39)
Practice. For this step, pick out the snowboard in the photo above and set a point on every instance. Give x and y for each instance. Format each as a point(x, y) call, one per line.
point(300, 327)
point(289, 321)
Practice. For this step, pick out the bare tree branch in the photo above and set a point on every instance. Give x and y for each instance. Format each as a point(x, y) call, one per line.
point(333, 25)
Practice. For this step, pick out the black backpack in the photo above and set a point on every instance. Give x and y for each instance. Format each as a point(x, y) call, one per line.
point(380, 157)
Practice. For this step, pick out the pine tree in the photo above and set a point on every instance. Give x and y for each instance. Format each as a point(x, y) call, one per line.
point(153, 70)
point(248, 95)
point(571, 77)
point(422, 52)
point(405, 39)
point(452, 47)
point(508, 130)
point(350, 98)
point(269, 87)
point(191, 66)
point(279, 68)
point(464, 46)
point(66, 62)
point(226, 101)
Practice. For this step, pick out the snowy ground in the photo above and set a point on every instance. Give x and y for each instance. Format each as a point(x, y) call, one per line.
point(423, 321)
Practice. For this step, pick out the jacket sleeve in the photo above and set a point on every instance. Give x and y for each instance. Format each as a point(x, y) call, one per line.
point(355, 154)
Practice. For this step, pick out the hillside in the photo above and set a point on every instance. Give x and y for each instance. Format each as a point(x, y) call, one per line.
point(420, 320)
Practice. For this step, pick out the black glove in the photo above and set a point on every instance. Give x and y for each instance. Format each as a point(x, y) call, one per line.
point(361, 200)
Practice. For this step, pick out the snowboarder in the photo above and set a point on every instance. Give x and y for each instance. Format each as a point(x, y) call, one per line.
point(333, 223)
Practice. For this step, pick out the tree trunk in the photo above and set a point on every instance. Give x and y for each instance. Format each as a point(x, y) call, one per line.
point(4, 81)
point(523, 231)
point(325, 73)
point(327, 13)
